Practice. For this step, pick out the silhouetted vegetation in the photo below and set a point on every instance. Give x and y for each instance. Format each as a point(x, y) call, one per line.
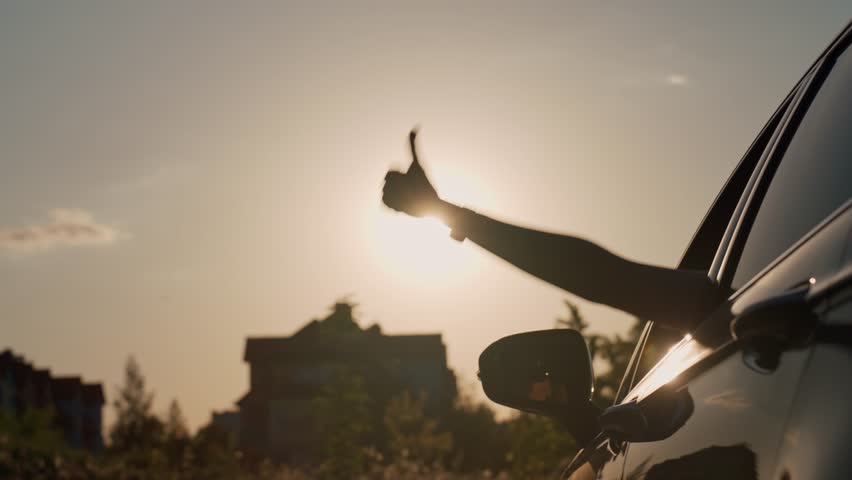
point(404, 441)
point(480, 442)
point(614, 351)
point(341, 421)
point(413, 435)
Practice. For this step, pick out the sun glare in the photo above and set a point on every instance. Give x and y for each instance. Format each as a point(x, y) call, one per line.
point(681, 356)
point(418, 249)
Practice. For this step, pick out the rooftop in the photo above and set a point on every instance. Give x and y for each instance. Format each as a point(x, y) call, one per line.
point(339, 332)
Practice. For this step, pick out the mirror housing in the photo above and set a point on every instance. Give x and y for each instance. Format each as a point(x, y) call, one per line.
point(545, 372)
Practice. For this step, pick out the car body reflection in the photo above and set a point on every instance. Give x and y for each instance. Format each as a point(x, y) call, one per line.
point(735, 462)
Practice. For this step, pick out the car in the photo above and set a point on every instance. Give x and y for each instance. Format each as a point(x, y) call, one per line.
point(761, 387)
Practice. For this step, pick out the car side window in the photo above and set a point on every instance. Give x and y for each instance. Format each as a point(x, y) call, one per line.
point(813, 179)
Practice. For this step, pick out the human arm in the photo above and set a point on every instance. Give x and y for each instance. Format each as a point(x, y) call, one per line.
point(676, 298)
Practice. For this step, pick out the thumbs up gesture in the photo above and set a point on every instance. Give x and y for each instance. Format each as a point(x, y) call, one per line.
point(410, 192)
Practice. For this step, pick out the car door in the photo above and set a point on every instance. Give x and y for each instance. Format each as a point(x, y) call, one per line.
point(816, 441)
point(722, 404)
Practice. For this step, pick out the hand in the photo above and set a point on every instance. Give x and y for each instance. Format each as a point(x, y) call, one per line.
point(411, 192)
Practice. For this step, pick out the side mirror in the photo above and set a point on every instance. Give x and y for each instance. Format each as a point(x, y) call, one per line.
point(546, 372)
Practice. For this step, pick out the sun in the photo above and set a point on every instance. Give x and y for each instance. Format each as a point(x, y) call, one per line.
point(419, 250)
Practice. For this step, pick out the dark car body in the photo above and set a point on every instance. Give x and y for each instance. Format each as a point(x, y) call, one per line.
point(762, 388)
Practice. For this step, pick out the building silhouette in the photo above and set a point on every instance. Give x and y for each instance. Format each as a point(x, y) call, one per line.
point(77, 406)
point(287, 373)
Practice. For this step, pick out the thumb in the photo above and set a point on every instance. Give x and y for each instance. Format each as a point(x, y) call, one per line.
point(415, 167)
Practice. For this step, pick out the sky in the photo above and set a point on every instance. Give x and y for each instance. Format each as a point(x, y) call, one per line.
point(177, 176)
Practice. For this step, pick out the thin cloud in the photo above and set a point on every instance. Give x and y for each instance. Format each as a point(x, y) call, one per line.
point(65, 228)
point(676, 79)
point(652, 79)
point(170, 173)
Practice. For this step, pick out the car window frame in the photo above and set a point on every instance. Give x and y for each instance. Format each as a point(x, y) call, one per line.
point(763, 150)
point(727, 270)
point(708, 239)
point(723, 257)
point(786, 119)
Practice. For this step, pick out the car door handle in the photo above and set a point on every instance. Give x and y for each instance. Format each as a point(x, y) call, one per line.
point(770, 327)
point(785, 321)
point(789, 319)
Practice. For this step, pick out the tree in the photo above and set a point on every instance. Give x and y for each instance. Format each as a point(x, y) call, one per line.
point(34, 430)
point(411, 434)
point(135, 427)
point(614, 351)
point(213, 455)
point(537, 447)
point(176, 440)
point(341, 418)
point(480, 442)
point(175, 422)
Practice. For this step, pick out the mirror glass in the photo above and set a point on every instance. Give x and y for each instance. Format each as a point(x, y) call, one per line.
point(547, 372)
